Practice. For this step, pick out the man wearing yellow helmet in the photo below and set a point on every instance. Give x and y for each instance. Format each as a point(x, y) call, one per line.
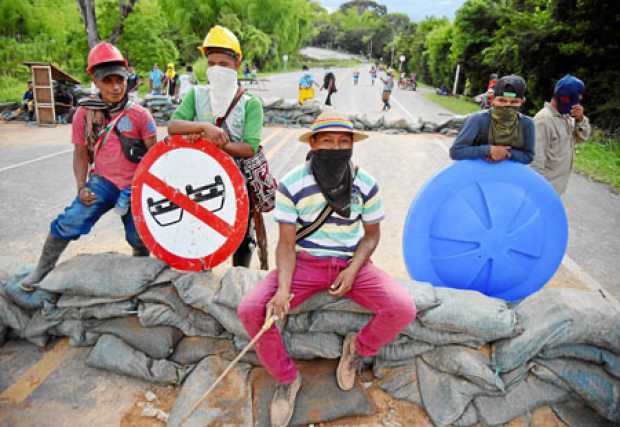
point(205, 110)
point(171, 82)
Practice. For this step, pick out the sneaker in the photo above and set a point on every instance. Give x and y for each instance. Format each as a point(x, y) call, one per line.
point(350, 363)
point(283, 403)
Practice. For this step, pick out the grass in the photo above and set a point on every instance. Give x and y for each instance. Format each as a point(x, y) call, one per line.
point(456, 104)
point(599, 159)
point(12, 88)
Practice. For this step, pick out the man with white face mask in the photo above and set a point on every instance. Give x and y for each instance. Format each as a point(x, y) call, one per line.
point(205, 110)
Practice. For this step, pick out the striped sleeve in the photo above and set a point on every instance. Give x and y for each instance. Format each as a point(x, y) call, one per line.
point(285, 210)
point(372, 210)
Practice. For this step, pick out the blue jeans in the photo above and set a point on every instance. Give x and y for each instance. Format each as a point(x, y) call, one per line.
point(79, 219)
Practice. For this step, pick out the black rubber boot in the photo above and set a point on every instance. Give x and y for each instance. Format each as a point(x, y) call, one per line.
point(243, 255)
point(52, 249)
point(140, 252)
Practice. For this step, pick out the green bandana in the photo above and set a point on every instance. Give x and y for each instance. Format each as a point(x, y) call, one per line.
point(505, 129)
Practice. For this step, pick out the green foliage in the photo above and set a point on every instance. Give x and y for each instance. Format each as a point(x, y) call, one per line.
point(439, 42)
point(12, 88)
point(458, 105)
point(599, 159)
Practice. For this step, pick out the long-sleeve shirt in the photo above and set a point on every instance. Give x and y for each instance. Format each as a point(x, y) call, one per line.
point(556, 136)
point(472, 142)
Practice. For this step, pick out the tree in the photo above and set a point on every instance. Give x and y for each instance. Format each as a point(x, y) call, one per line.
point(89, 16)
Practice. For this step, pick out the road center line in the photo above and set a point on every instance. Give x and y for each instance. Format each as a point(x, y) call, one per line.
point(269, 154)
point(36, 375)
point(36, 159)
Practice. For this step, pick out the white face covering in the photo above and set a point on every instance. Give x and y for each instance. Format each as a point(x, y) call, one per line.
point(222, 88)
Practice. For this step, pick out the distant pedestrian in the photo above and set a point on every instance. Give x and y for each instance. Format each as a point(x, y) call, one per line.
point(329, 84)
point(388, 87)
point(306, 86)
point(186, 81)
point(500, 133)
point(356, 77)
point(172, 82)
point(560, 124)
point(156, 81)
point(373, 74)
point(28, 101)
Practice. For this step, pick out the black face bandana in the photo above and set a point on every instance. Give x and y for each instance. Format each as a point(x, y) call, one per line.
point(332, 172)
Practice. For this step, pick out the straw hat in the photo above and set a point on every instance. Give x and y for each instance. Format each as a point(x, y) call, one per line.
point(332, 122)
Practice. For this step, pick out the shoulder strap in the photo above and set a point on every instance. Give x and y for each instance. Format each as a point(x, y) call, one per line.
point(308, 229)
point(220, 120)
point(105, 132)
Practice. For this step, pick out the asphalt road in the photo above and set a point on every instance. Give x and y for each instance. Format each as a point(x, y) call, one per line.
point(36, 183)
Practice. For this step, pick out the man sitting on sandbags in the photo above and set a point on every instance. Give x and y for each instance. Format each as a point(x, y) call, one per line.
point(328, 212)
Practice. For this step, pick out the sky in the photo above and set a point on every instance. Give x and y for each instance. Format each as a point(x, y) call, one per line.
point(416, 9)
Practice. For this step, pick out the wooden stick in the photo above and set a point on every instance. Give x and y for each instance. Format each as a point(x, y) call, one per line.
point(266, 326)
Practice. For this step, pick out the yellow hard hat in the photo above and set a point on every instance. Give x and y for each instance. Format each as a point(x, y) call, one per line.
point(221, 37)
point(170, 65)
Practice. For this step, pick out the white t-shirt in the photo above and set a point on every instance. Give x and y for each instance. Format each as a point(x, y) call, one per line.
point(186, 82)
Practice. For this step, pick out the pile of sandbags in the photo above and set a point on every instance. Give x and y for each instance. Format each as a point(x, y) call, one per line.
point(466, 359)
point(161, 107)
point(288, 112)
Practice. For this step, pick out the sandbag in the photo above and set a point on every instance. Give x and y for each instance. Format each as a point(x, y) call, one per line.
point(13, 317)
point(598, 389)
point(403, 348)
point(554, 317)
point(609, 361)
point(99, 311)
point(467, 363)
point(192, 323)
point(313, 345)
point(298, 323)
point(157, 342)
point(27, 300)
point(38, 329)
point(372, 121)
point(524, 397)
point(107, 274)
point(192, 350)
point(575, 414)
point(340, 323)
point(79, 301)
point(401, 382)
point(230, 404)
point(396, 122)
point(167, 276)
point(471, 313)
point(445, 396)
point(419, 332)
point(469, 417)
point(112, 354)
point(236, 283)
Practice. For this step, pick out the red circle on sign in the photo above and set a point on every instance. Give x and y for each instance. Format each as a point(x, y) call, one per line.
point(234, 233)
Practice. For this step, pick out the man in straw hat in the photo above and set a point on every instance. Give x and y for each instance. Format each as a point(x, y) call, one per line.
point(328, 212)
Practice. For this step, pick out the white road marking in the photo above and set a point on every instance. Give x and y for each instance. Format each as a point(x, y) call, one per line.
point(585, 278)
point(37, 159)
point(402, 107)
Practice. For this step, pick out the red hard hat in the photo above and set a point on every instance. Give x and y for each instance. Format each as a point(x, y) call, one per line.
point(102, 53)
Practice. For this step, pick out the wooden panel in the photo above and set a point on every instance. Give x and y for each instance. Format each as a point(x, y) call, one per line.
point(41, 76)
point(44, 95)
point(46, 115)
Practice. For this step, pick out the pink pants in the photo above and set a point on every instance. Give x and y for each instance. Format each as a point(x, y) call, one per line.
point(372, 289)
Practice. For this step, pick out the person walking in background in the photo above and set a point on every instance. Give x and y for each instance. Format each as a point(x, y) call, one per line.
point(373, 74)
point(171, 82)
point(156, 80)
point(329, 84)
point(388, 86)
point(356, 77)
point(500, 133)
point(28, 101)
point(187, 80)
point(306, 86)
point(560, 125)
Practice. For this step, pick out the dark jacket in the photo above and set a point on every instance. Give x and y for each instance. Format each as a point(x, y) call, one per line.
point(472, 142)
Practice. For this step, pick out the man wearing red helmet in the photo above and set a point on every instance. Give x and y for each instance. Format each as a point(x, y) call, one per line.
point(110, 135)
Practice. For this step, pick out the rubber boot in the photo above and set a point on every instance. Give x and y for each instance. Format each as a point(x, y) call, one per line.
point(243, 256)
point(52, 249)
point(140, 252)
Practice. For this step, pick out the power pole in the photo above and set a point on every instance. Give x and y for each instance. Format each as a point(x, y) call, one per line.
point(392, 59)
point(456, 78)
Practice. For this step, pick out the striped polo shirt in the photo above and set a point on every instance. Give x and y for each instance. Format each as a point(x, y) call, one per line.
point(299, 201)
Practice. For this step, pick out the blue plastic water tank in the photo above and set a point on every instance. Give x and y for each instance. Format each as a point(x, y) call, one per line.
point(497, 228)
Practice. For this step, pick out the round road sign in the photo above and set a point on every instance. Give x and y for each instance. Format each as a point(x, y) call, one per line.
point(285, 57)
point(495, 228)
point(402, 58)
point(189, 203)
